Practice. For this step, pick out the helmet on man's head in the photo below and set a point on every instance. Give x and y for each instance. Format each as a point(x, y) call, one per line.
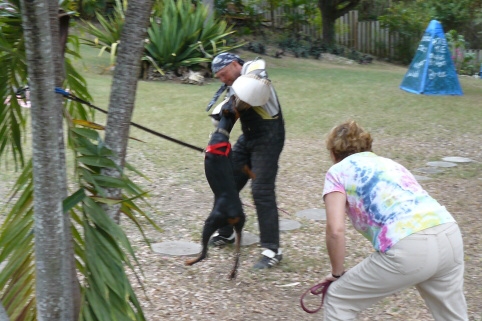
point(224, 59)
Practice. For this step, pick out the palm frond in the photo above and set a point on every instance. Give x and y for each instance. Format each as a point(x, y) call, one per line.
point(13, 75)
point(101, 247)
point(17, 279)
point(108, 294)
point(77, 85)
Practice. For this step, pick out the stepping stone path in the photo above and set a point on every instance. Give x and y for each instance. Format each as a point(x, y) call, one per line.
point(285, 225)
point(457, 159)
point(317, 214)
point(429, 170)
point(177, 248)
point(421, 178)
point(436, 167)
point(441, 164)
point(249, 239)
point(288, 225)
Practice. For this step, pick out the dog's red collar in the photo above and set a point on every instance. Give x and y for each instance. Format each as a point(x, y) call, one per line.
point(216, 148)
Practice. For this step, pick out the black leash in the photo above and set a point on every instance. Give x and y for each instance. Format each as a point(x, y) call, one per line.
point(75, 98)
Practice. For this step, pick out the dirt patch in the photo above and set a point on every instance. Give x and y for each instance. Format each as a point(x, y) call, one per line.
point(202, 292)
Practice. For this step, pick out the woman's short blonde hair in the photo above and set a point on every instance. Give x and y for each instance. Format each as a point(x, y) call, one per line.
point(347, 139)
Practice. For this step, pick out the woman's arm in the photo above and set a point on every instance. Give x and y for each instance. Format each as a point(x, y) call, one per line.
point(335, 230)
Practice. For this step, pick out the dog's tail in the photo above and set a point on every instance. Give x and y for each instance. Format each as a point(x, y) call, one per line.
point(208, 231)
point(237, 252)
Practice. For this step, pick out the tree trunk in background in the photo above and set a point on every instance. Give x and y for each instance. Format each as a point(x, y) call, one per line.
point(59, 26)
point(48, 215)
point(328, 25)
point(330, 11)
point(124, 87)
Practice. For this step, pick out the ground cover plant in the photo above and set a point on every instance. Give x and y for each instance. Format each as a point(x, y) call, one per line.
point(315, 95)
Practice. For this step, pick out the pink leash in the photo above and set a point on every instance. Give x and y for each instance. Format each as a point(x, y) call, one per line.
point(318, 289)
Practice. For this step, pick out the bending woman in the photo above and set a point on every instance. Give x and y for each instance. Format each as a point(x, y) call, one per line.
point(416, 240)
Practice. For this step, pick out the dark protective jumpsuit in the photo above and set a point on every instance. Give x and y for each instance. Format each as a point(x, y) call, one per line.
point(259, 147)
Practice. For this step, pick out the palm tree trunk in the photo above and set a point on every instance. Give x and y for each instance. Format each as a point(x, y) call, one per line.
point(48, 214)
point(124, 88)
point(69, 274)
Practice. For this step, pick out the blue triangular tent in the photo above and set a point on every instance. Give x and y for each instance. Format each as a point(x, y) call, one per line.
point(432, 71)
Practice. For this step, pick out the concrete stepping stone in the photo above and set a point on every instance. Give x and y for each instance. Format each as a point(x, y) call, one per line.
point(288, 225)
point(457, 159)
point(177, 248)
point(429, 170)
point(284, 225)
point(441, 164)
point(180, 248)
point(421, 178)
point(249, 238)
point(317, 214)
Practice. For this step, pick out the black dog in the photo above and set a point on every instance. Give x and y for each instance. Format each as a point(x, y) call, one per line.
point(227, 209)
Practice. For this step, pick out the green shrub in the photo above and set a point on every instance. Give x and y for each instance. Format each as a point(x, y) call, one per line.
point(185, 36)
point(297, 14)
point(409, 21)
point(88, 9)
point(302, 48)
point(464, 62)
point(182, 36)
point(107, 37)
point(256, 47)
point(247, 15)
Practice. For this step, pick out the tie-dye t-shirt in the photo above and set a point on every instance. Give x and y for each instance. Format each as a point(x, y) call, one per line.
point(385, 201)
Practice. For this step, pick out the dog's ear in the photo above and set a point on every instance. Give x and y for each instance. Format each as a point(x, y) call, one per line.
point(215, 117)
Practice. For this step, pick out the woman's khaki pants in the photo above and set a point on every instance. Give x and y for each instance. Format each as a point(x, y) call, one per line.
point(431, 260)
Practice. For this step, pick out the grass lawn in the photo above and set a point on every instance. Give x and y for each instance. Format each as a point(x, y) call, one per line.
point(315, 95)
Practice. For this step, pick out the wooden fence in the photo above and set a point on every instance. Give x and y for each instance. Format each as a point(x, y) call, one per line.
point(369, 37)
point(364, 36)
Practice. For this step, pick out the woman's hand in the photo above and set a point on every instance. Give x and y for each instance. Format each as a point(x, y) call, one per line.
point(332, 277)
